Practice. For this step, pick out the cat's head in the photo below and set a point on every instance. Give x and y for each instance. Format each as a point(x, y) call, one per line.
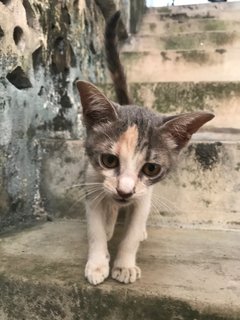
point(131, 147)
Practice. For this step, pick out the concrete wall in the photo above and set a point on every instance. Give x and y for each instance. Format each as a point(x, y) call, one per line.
point(45, 46)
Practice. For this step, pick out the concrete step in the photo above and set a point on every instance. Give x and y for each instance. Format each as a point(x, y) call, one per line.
point(225, 11)
point(183, 41)
point(222, 98)
point(182, 65)
point(155, 25)
point(42, 276)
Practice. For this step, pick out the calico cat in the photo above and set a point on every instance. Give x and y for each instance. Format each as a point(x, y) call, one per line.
point(130, 148)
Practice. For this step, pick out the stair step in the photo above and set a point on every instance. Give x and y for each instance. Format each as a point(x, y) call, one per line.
point(183, 41)
point(225, 11)
point(153, 25)
point(182, 65)
point(222, 98)
point(42, 276)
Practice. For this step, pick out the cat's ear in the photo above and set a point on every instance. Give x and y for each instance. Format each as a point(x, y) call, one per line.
point(96, 107)
point(179, 129)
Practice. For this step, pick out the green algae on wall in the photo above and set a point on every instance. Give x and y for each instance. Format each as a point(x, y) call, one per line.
point(186, 96)
point(195, 56)
point(194, 40)
point(179, 97)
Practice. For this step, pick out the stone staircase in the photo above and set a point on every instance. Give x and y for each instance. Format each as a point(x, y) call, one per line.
point(185, 59)
point(182, 59)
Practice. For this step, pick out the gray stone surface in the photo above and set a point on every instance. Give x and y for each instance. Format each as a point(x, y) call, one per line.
point(186, 274)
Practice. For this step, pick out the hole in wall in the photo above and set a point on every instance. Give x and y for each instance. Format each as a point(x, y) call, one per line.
point(63, 56)
point(1, 32)
point(30, 15)
point(73, 59)
point(19, 79)
point(76, 4)
point(66, 16)
point(18, 37)
point(37, 58)
point(6, 2)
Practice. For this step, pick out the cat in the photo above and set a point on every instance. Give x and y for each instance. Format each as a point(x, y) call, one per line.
point(130, 148)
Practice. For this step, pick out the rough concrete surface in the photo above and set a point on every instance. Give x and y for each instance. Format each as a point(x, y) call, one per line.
point(45, 47)
point(186, 274)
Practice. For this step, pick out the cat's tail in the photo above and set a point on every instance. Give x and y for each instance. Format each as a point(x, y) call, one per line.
point(113, 60)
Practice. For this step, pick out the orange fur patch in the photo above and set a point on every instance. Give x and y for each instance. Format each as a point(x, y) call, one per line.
point(128, 141)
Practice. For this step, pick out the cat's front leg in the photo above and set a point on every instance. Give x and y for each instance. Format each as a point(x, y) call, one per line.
point(111, 218)
point(97, 267)
point(125, 269)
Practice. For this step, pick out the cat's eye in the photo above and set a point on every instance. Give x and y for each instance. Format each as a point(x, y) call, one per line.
point(109, 161)
point(151, 169)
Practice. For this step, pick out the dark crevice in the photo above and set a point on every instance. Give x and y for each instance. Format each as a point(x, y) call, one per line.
point(92, 48)
point(60, 123)
point(19, 79)
point(65, 101)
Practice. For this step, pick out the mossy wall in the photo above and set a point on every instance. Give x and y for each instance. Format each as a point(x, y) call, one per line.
point(167, 97)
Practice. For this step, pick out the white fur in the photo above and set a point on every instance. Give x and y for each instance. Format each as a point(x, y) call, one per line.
point(126, 184)
point(101, 219)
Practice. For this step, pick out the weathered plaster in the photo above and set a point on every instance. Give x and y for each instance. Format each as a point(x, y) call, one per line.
point(45, 47)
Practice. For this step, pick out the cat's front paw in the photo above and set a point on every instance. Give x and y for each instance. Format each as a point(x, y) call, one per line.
point(126, 275)
point(97, 272)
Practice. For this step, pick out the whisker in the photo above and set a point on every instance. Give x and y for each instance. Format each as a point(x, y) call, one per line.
point(83, 196)
point(84, 185)
point(160, 203)
point(98, 198)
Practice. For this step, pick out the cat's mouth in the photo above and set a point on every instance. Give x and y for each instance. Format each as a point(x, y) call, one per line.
point(122, 200)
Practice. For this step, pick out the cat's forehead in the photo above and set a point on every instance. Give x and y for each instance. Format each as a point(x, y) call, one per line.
point(127, 142)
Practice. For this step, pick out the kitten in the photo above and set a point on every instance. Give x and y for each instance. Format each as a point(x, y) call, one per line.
point(129, 149)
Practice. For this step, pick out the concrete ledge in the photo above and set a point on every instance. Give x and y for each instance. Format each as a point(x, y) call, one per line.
point(153, 23)
point(187, 274)
point(182, 65)
point(184, 41)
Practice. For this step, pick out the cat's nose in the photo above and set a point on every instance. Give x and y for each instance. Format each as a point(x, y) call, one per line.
point(124, 195)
